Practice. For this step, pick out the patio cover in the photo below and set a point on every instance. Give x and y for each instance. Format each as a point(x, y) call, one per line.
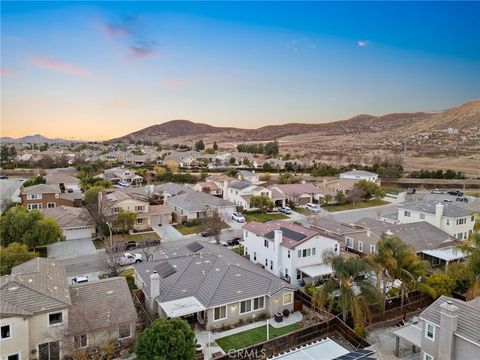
point(411, 333)
point(324, 349)
point(182, 307)
point(317, 270)
point(446, 254)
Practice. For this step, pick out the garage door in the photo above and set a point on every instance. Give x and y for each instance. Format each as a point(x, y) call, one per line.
point(79, 233)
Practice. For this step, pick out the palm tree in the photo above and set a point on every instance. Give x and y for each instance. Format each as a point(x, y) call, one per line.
point(472, 248)
point(398, 261)
point(355, 289)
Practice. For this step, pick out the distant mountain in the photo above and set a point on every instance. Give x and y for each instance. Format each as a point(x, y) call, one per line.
point(393, 126)
point(37, 138)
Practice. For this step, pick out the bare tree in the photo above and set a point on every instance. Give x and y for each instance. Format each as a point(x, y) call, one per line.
point(213, 223)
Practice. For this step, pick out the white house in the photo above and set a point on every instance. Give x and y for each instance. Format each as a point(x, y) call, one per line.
point(359, 175)
point(240, 192)
point(289, 251)
point(450, 218)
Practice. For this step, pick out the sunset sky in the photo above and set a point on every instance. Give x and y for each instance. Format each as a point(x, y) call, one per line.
point(96, 71)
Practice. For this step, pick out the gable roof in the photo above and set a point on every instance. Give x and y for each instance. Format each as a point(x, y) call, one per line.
point(449, 209)
point(192, 200)
point(468, 317)
point(297, 189)
point(61, 178)
point(40, 189)
point(68, 216)
point(214, 275)
point(104, 303)
point(358, 173)
point(239, 184)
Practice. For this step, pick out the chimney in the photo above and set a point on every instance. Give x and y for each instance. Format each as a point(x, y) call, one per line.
point(448, 326)
point(154, 290)
point(438, 214)
point(368, 233)
point(277, 239)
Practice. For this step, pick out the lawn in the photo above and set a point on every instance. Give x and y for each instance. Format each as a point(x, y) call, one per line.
point(239, 250)
point(358, 205)
point(260, 217)
point(474, 193)
point(394, 191)
point(303, 211)
point(129, 276)
point(98, 242)
point(187, 230)
point(253, 336)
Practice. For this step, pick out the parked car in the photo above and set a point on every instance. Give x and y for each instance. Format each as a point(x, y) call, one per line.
point(436, 191)
point(313, 207)
point(123, 183)
point(207, 233)
point(447, 200)
point(129, 259)
point(238, 217)
point(285, 209)
point(148, 243)
point(455, 193)
point(3, 177)
point(234, 241)
point(129, 245)
point(461, 199)
point(80, 279)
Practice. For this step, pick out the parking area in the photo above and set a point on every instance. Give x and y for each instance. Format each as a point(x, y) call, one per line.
point(71, 248)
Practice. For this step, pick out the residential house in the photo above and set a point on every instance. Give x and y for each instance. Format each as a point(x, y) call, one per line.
point(249, 176)
point(453, 219)
point(183, 158)
point(360, 175)
point(208, 187)
point(118, 200)
point(447, 330)
point(75, 223)
point(191, 204)
point(211, 285)
point(114, 156)
point(289, 251)
point(43, 196)
point(70, 171)
point(337, 185)
point(65, 182)
point(118, 174)
point(240, 192)
point(221, 181)
point(298, 194)
point(42, 317)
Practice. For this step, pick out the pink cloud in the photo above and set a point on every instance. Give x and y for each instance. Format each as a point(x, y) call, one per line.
point(7, 73)
point(52, 64)
point(139, 52)
point(116, 104)
point(175, 81)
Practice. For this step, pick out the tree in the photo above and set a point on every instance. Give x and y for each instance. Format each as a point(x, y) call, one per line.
point(355, 195)
point(267, 166)
point(356, 292)
point(215, 146)
point(31, 228)
point(247, 162)
point(213, 223)
point(14, 254)
point(232, 161)
point(172, 166)
point(199, 145)
point(472, 247)
point(125, 221)
point(231, 172)
point(340, 198)
point(369, 189)
point(441, 282)
point(288, 178)
point(271, 148)
point(159, 171)
point(264, 203)
point(166, 339)
point(34, 181)
point(328, 199)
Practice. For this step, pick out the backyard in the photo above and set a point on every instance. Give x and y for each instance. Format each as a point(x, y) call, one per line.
point(357, 205)
point(261, 217)
point(253, 336)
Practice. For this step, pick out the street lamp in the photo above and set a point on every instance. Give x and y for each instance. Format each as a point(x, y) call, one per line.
point(110, 229)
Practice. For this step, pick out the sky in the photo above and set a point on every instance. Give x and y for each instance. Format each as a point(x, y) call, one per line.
point(98, 70)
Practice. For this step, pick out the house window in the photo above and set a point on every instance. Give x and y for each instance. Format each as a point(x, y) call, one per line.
point(271, 264)
point(288, 254)
point(254, 256)
point(116, 209)
point(219, 313)
point(140, 208)
point(5, 332)
point(258, 303)
point(265, 243)
point(461, 221)
point(80, 341)
point(336, 247)
point(140, 221)
point(349, 242)
point(447, 221)
point(50, 205)
point(34, 206)
point(245, 306)
point(266, 262)
point(286, 272)
point(422, 216)
point(299, 274)
point(13, 357)
point(430, 331)
point(372, 249)
point(473, 218)
point(459, 236)
point(124, 331)
point(427, 356)
point(407, 213)
point(55, 318)
point(360, 246)
point(49, 351)
point(287, 298)
point(34, 196)
point(314, 250)
point(299, 253)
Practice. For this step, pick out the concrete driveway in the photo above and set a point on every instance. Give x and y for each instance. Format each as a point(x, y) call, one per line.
point(167, 233)
point(70, 248)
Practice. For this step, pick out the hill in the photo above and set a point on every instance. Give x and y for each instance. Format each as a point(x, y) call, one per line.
point(37, 138)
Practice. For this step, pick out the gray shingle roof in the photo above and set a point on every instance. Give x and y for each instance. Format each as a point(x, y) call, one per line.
point(41, 189)
point(468, 317)
point(214, 275)
point(449, 209)
point(239, 184)
point(68, 216)
point(358, 173)
point(192, 200)
point(100, 304)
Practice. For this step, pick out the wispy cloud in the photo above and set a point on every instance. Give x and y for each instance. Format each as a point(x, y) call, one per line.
point(174, 81)
point(56, 65)
point(7, 73)
point(362, 43)
point(115, 104)
point(143, 51)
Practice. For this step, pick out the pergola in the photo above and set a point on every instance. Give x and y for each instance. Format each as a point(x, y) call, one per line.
point(411, 333)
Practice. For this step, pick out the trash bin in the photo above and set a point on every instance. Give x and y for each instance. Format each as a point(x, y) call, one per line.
point(278, 317)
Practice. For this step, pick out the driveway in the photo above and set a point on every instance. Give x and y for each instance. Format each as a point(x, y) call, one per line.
point(167, 233)
point(70, 248)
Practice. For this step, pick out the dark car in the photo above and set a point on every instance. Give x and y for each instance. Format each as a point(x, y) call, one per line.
point(207, 233)
point(3, 177)
point(461, 199)
point(149, 243)
point(234, 241)
point(130, 245)
point(455, 193)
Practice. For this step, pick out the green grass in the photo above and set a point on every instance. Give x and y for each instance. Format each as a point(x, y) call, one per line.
point(98, 243)
point(303, 211)
point(260, 217)
point(474, 193)
point(187, 230)
point(253, 336)
point(140, 237)
point(239, 250)
point(394, 191)
point(128, 275)
point(358, 205)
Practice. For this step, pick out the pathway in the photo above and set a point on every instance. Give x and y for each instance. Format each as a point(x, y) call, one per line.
point(167, 232)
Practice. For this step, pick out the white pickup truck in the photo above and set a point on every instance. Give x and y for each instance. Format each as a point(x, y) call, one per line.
point(129, 259)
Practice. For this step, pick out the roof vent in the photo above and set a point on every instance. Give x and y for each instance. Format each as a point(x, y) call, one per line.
point(450, 302)
point(110, 292)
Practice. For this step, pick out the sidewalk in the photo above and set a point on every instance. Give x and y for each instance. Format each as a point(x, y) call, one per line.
point(167, 233)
